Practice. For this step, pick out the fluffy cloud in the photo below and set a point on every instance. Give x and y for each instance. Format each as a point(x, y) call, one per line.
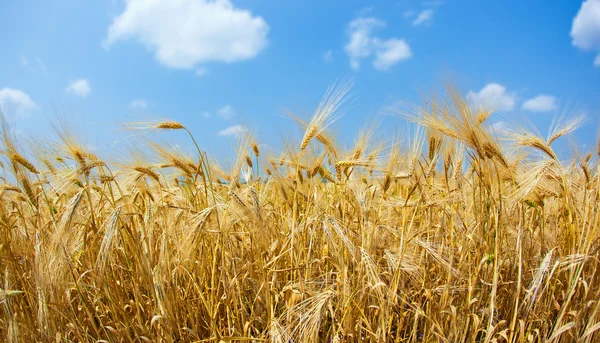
point(184, 33)
point(424, 18)
point(79, 87)
point(138, 104)
point(494, 97)
point(362, 44)
point(235, 130)
point(586, 27)
point(389, 52)
point(226, 112)
point(541, 103)
point(15, 102)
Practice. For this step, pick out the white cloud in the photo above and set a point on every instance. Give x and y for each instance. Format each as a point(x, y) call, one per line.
point(328, 56)
point(24, 60)
point(15, 102)
point(541, 103)
point(389, 52)
point(201, 71)
point(586, 27)
point(494, 97)
point(138, 104)
point(206, 115)
point(425, 17)
point(184, 33)
point(500, 127)
point(226, 112)
point(362, 45)
point(235, 130)
point(79, 87)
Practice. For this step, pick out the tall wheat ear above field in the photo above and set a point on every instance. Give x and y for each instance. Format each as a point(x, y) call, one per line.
point(450, 235)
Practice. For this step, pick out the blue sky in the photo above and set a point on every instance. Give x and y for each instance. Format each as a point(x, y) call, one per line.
point(219, 65)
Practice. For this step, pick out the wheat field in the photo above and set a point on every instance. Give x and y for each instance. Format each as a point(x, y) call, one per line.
point(456, 233)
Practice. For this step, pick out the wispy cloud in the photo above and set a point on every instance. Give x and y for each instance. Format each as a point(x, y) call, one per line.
point(424, 18)
point(235, 130)
point(226, 112)
point(79, 87)
point(138, 104)
point(328, 56)
point(541, 103)
point(39, 64)
point(362, 44)
point(201, 71)
point(500, 127)
point(364, 11)
point(409, 13)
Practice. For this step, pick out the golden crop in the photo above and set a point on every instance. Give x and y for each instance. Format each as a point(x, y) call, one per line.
point(454, 235)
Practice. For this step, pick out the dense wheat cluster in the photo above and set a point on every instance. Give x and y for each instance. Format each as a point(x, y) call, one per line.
point(455, 234)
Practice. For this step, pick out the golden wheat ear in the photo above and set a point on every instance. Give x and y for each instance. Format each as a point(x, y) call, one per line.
point(169, 125)
point(151, 125)
point(20, 160)
point(563, 127)
point(328, 111)
point(525, 137)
